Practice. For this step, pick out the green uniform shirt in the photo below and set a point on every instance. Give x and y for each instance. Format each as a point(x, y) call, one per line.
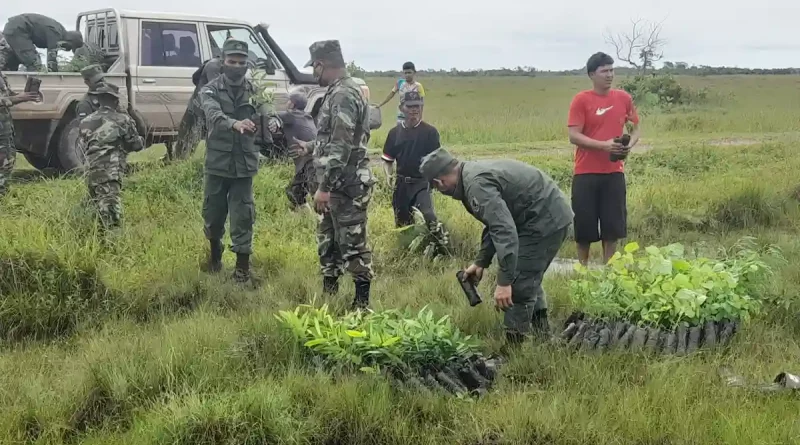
point(511, 198)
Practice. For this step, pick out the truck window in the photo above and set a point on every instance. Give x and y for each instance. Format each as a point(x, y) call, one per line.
point(169, 44)
point(217, 34)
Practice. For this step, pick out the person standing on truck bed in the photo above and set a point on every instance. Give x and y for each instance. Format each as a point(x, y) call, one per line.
point(297, 124)
point(25, 32)
point(343, 177)
point(191, 127)
point(107, 136)
point(231, 160)
point(8, 152)
point(406, 144)
point(526, 218)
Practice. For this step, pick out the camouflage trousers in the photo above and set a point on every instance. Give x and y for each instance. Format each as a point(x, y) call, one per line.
point(342, 235)
point(190, 130)
point(104, 181)
point(527, 293)
point(8, 153)
point(16, 50)
point(302, 183)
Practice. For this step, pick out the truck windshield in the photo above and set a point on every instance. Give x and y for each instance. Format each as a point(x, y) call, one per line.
point(219, 33)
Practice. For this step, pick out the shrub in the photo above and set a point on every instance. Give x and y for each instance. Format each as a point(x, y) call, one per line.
point(661, 90)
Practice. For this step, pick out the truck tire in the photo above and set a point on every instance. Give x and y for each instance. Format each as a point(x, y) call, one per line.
point(38, 162)
point(70, 157)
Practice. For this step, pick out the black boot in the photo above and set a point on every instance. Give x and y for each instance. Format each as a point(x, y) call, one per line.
point(361, 301)
point(540, 327)
point(215, 259)
point(513, 340)
point(242, 272)
point(330, 285)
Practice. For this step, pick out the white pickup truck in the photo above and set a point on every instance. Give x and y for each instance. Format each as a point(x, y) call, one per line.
point(151, 57)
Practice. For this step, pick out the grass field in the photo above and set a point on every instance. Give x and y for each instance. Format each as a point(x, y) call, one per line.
point(130, 343)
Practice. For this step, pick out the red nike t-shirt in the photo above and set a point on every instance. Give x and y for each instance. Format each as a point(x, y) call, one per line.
point(602, 118)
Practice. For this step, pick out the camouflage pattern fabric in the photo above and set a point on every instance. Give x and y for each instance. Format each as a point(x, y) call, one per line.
point(8, 152)
point(107, 137)
point(342, 237)
point(90, 54)
point(342, 168)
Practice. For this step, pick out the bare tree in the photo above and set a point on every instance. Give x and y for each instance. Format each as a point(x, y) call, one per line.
point(640, 47)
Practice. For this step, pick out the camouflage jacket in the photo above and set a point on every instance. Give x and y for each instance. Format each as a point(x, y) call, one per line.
point(340, 149)
point(6, 123)
point(89, 104)
point(106, 132)
point(229, 153)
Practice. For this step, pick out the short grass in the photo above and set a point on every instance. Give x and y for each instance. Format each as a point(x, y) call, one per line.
point(129, 343)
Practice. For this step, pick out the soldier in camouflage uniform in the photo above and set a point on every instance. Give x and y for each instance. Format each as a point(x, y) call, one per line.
point(345, 182)
point(25, 32)
point(8, 152)
point(231, 160)
point(93, 78)
point(107, 137)
point(190, 129)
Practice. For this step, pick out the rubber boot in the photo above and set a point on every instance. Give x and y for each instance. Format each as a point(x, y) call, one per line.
point(215, 259)
point(242, 272)
point(540, 327)
point(330, 285)
point(361, 301)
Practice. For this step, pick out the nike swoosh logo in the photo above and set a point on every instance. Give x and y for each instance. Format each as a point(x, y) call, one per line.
point(602, 111)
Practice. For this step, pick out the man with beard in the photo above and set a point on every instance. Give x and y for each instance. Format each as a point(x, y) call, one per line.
point(406, 144)
point(526, 219)
point(345, 182)
point(231, 160)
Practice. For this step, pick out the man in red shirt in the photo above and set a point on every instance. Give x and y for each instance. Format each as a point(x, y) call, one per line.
point(596, 117)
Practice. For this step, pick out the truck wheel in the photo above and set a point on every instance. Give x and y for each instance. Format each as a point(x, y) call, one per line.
point(38, 162)
point(70, 157)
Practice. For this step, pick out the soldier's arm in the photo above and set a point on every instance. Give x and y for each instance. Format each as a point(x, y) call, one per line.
point(486, 252)
point(52, 59)
point(344, 116)
point(83, 109)
point(133, 141)
point(213, 111)
point(484, 195)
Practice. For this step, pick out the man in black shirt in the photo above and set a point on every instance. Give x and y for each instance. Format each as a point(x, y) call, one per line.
point(406, 145)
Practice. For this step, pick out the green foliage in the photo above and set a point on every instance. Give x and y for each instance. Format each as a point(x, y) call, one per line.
point(371, 341)
point(661, 90)
point(660, 286)
point(264, 96)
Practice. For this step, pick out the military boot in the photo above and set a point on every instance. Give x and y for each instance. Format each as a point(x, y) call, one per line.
point(215, 259)
point(242, 272)
point(513, 341)
point(540, 327)
point(330, 285)
point(361, 301)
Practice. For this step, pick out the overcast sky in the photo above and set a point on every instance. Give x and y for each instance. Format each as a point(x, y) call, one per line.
point(491, 34)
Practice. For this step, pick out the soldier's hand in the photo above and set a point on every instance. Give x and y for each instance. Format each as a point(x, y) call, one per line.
point(474, 273)
point(244, 125)
point(322, 202)
point(298, 142)
point(26, 97)
point(502, 297)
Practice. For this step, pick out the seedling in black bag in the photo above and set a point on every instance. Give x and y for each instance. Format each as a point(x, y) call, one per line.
point(470, 289)
point(625, 139)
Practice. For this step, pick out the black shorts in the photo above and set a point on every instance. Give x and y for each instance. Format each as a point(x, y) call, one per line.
point(599, 202)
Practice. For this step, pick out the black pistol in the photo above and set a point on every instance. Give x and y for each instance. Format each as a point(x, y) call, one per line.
point(469, 288)
point(625, 139)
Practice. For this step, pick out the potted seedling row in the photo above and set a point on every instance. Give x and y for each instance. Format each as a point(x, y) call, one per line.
point(415, 350)
point(659, 300)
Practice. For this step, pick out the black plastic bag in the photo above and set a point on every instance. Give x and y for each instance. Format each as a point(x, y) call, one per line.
point(590, 337)
point(725, 333)
point(574, 317)
point(604, 340)
point(653, 338)
point(694, 339)
point(710, 335)
point(449, 383)
point(625, 340)
point(682, 334)
point(619, 329)
point(570, 331)
point(639, 339)
point(576, 339)
point(670, 344)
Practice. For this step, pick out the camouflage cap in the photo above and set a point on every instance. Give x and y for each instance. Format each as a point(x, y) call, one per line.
point(435, 163)
point(106, 88)
point(234, 46)
point(327, 50)
point(93, 73)
point(412, 98)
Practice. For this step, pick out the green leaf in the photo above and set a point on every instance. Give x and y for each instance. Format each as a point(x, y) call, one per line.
point(315, 342)
point(355, 334)
point(631, 247)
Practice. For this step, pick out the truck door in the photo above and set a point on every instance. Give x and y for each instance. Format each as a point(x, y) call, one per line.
point(169, 52)
point(259, 57)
